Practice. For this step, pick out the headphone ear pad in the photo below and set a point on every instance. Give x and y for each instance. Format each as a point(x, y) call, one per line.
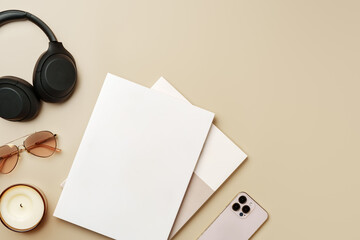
point(55, 74)
point(18, 101)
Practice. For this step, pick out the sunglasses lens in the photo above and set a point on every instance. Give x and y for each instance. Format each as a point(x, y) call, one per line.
point(9, 156)
point(41, 144)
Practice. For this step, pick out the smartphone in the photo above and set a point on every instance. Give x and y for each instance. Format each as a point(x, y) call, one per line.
point(239, 220)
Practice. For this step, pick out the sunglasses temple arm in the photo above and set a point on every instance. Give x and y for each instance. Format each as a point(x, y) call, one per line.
point(45, 140)
point(2, 162)
point(9, 155)
point(44, 146)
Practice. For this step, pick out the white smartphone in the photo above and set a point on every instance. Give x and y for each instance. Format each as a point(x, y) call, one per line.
point(239, 220)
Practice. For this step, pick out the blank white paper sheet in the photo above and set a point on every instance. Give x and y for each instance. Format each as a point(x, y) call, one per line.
point(134, 162)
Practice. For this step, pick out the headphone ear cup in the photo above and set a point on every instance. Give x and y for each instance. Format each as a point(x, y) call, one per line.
point(18, 101)
point(55, 74)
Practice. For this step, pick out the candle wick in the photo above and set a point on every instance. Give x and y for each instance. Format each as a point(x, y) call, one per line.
point(21, 205)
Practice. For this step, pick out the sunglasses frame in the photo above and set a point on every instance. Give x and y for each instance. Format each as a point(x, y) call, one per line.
point(20, 150)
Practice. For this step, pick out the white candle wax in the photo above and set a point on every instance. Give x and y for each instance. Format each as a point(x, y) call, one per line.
point(22, 207)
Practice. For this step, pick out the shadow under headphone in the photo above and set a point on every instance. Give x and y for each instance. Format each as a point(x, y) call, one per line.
point(54, 76)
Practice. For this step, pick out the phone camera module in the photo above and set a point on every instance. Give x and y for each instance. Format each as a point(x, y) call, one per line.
point(236, 207)
point(242, 199)
point(246, 209)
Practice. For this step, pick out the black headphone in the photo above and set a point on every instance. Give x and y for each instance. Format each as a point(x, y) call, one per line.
point(54, 76)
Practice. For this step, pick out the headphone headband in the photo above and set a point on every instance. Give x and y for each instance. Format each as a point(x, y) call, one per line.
point(54, 76)
point(15, 15)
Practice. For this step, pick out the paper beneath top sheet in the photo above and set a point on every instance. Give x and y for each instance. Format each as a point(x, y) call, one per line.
point(134, 162)
point(218, 160)
point(220, 156)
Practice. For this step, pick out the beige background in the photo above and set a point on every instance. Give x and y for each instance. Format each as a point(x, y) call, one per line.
point(281, 76)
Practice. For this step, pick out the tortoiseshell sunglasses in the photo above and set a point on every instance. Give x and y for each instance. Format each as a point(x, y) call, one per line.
point(41, 144)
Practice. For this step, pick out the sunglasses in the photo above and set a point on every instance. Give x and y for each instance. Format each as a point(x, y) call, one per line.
point(41, 144)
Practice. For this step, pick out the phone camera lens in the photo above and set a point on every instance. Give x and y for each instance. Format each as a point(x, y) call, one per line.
point(246, 209)
point(241, 214)
point(242, 199)
point(236, 207)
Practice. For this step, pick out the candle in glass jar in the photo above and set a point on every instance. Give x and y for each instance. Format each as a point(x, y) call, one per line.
point(22, 207)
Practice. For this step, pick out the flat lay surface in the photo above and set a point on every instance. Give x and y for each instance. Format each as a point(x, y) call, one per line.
point(281, 77)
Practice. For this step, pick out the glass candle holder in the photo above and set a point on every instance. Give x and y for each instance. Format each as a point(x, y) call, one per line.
point(22, 207)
